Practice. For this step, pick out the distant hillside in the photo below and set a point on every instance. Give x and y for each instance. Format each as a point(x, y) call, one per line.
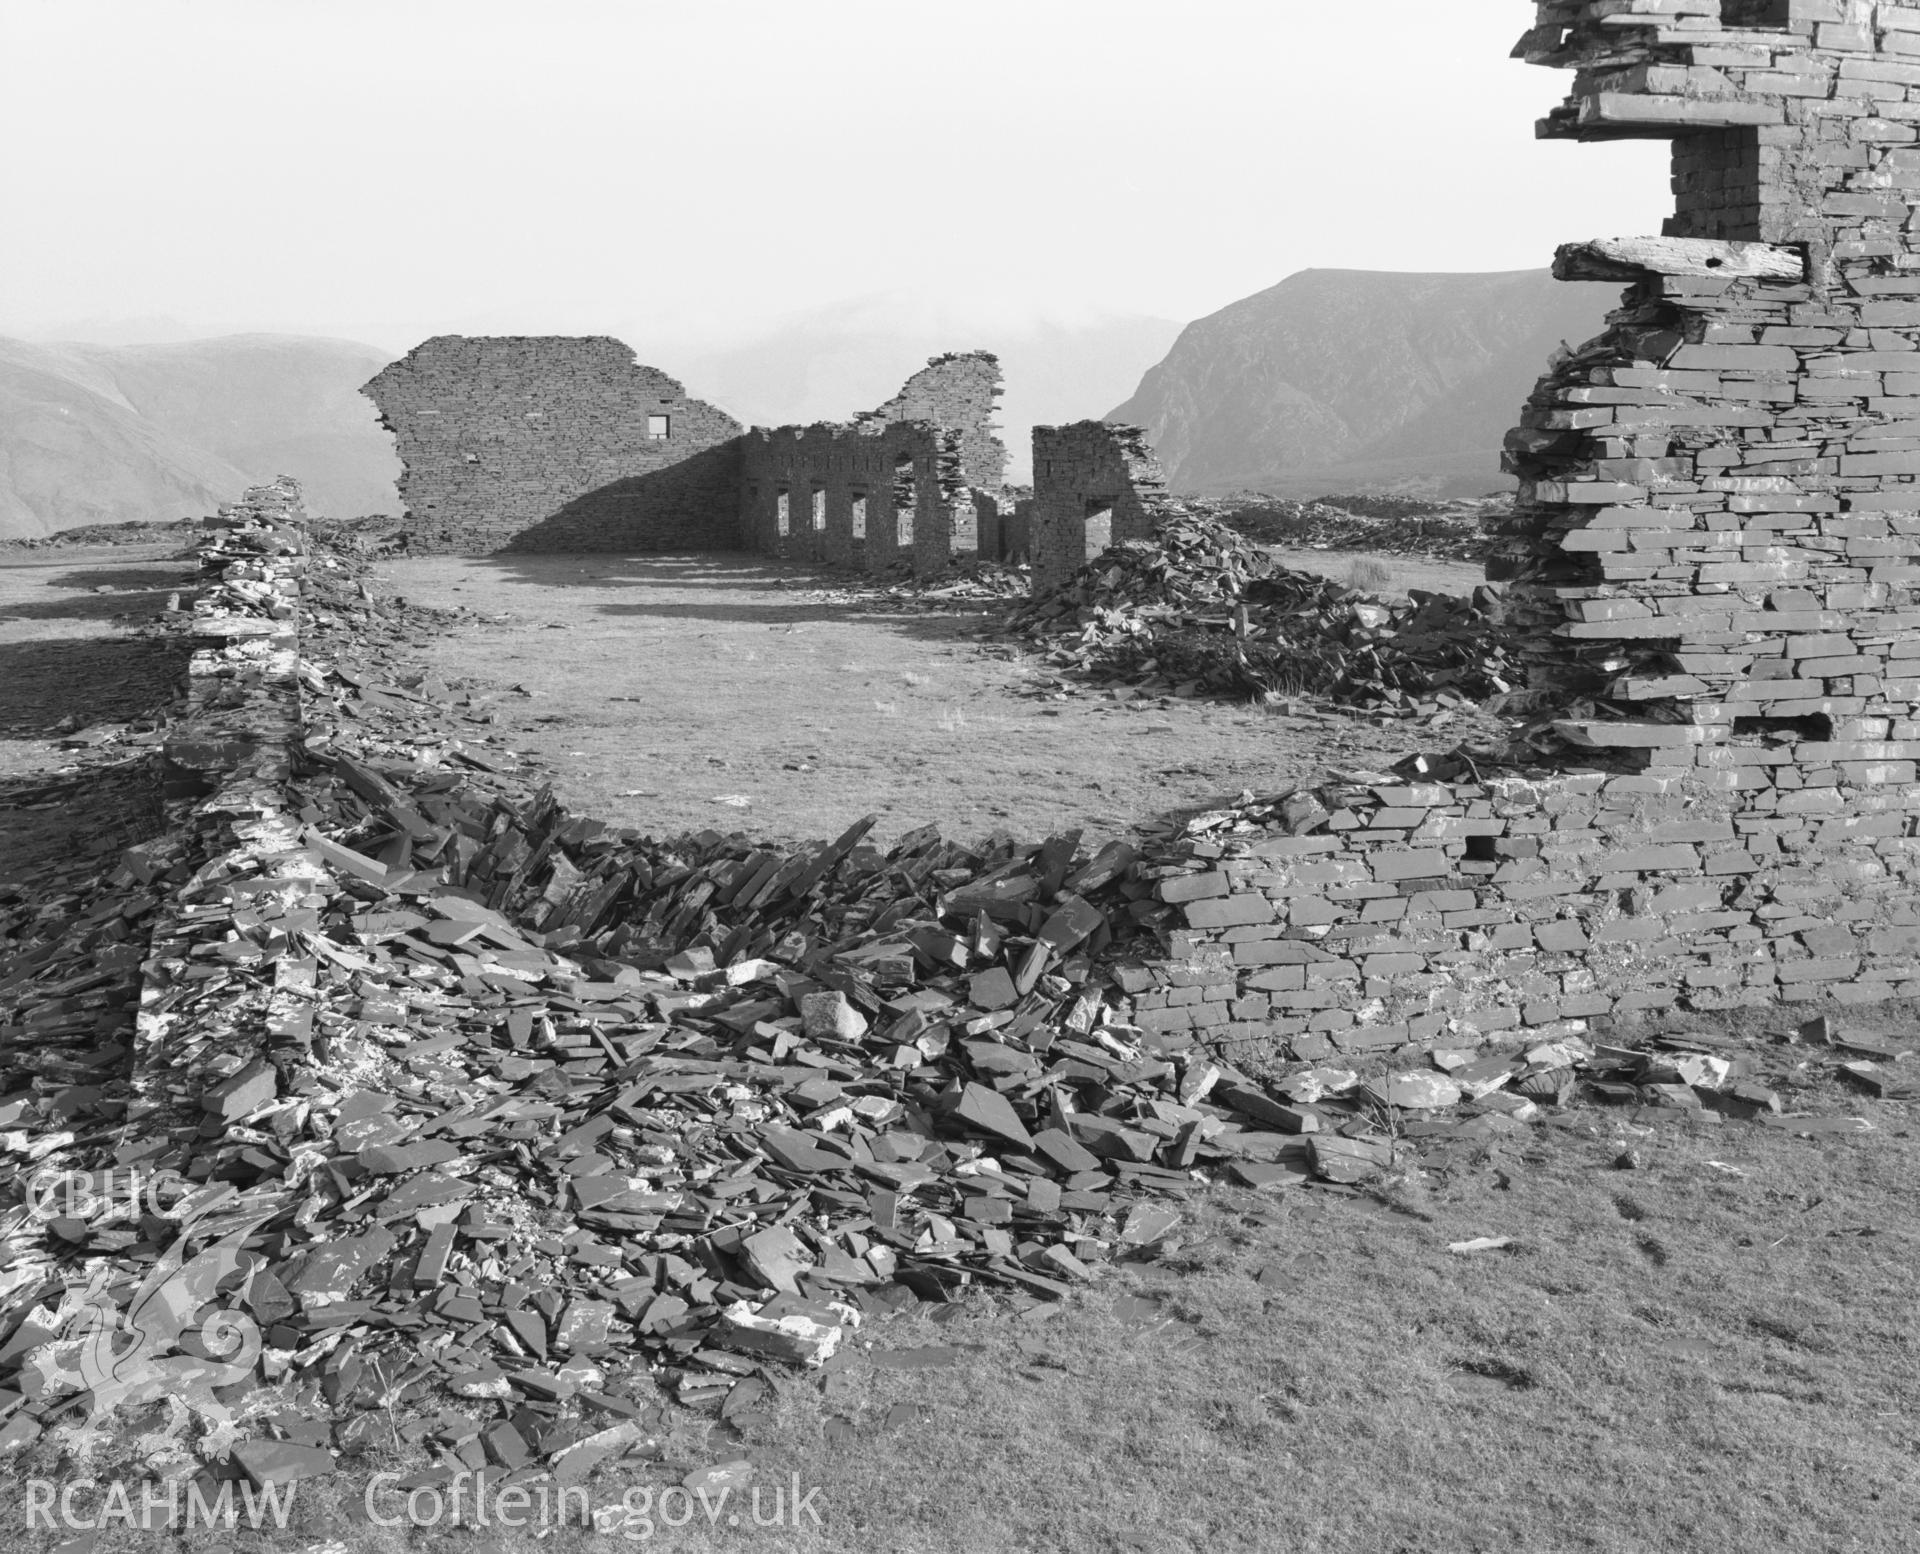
point(107, 434)
point(1344, 380)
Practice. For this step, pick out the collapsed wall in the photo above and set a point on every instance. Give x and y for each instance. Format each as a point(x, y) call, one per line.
point(555, 443)
point(1717, 537)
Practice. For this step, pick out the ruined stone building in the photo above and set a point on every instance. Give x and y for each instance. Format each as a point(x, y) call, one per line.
point(1095, 484)
point(918, 480)
point(568, 443)
point(555, 443)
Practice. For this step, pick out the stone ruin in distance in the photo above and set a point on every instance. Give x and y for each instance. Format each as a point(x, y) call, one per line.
point(1712, 561)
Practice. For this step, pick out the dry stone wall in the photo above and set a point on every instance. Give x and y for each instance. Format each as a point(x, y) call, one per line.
point(1363, 914)
point(1717, 542)
point(555, 443)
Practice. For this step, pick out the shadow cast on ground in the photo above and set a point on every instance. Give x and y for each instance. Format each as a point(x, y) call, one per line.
point(727, 576)
point(89, 607)
point(163, 574)
point(55, 818)
point(91, 679)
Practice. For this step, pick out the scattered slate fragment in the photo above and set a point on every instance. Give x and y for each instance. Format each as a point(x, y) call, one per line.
point(508, 1103)
point(575, 1462)
point(282, 1462)
point(1416, 1091)
point(730, 1478)
point(990, 1112)
point(926, 1357)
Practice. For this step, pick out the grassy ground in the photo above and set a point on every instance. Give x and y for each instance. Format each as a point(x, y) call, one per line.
point(664, 691)
point(1710, 1354)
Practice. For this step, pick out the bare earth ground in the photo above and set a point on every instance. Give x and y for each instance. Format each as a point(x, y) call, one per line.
point(69, 659)
point(675, 693)
point(1711, 1352)
point(1402, 572)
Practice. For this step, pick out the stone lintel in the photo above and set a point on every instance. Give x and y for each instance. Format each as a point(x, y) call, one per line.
point(1627, 259)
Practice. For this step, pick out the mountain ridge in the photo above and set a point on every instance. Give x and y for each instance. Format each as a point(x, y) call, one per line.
point(1359, 379)
point(95, 433)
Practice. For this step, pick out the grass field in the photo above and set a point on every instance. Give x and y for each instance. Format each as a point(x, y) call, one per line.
point(1710, 1351)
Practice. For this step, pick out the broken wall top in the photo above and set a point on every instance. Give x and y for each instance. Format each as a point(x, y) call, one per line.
point(1714, 553)
point(1103, 449)
point(522, 363)
point(1792, 119)
point(503, 437)
point(960, 389)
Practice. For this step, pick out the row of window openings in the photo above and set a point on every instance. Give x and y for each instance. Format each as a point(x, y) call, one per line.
point(783, 516)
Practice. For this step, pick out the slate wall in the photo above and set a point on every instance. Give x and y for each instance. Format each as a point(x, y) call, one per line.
point(1714, 565)
point(1086, 468)
point(543, 443)
point(960, 390)
point(1358, 916)
point(903, 468)
point(1714, 562)
point(931, 451)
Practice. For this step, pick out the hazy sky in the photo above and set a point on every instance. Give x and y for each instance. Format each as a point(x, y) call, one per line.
point(389, 168)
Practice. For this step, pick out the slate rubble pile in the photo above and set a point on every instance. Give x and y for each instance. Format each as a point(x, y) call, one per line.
point(454, 1093)
point(1202, 610)
point(1382, 525)
point(478, 1096)
point(961, 584)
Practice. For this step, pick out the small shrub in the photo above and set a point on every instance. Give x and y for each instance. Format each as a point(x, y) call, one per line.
point(1368, 575)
